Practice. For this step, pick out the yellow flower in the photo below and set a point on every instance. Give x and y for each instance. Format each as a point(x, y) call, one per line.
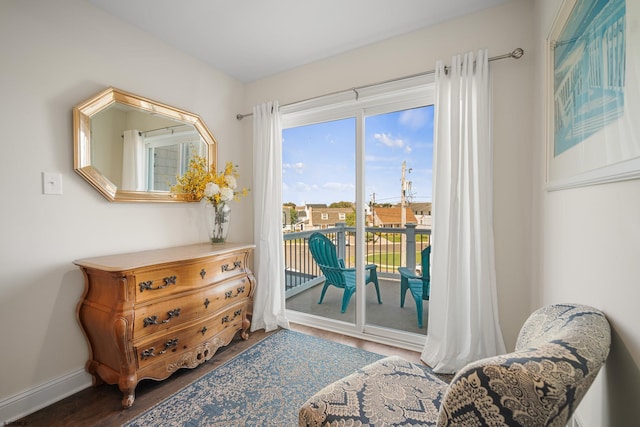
point(200, 181)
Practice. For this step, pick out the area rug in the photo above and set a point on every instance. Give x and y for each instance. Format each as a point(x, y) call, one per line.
point(263, 386)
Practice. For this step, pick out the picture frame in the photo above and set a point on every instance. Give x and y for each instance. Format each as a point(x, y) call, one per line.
point(592, 96)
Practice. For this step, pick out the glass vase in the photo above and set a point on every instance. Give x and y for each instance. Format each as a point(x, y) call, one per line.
point(218, 216)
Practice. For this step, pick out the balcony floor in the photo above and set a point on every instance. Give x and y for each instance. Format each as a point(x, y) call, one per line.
point(389, 314)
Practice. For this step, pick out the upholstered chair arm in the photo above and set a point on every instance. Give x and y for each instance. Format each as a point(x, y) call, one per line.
point(537, 385)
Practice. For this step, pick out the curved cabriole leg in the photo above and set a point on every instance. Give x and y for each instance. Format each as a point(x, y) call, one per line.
point(244, 334)
point(127, 386)
point(127, 400)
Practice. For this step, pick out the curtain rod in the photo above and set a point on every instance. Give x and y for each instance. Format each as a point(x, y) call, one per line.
point(172, 128)
point(515, 54)
point(140, 133)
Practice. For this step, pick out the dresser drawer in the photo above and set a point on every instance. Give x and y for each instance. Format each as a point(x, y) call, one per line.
point(173, 312)
point(173, 279)
point(171, 346)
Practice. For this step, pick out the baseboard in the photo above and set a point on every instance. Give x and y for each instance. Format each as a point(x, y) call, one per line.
point(43, 395)
point(575, 421)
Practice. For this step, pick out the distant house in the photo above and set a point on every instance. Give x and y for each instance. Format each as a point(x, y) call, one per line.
point(293, 223)
point(303, 219)
point(422, 211)
point(286, 218)
point(321, 217)
point(392, 217)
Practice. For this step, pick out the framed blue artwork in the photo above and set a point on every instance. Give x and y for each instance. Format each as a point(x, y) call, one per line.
point(593, 98)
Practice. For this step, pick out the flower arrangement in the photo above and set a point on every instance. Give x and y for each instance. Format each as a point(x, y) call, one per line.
point(200, 182)
point(203, 183)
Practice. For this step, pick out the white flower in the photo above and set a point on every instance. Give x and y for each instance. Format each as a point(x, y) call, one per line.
point(226, 194)
point(231, 181)
point(211, 189)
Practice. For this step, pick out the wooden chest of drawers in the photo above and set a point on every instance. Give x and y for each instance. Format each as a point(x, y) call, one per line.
point(148, 314)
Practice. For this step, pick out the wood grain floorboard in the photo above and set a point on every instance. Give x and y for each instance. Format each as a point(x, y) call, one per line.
point(101, 406)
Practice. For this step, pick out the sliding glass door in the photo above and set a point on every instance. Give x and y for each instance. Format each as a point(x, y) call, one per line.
point(358, 174)
point(319, 190)
point(398, 172)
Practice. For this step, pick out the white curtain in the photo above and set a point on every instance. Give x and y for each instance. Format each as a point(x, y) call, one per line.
point(463, 307)
point(269, 300)
point(133, 161)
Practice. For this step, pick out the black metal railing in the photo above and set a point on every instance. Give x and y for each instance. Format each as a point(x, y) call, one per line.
point(387, 247)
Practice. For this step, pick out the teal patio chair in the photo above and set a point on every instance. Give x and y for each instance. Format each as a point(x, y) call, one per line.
point(418, 285)
point(335, 272)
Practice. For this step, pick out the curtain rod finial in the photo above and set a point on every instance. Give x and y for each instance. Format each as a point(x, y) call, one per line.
point(239, 116)
point(517, 53)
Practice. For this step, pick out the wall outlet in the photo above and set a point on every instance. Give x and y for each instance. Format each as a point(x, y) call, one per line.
point(51, 183)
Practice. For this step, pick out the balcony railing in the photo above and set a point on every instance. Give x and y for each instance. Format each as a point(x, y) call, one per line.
point(387, 247)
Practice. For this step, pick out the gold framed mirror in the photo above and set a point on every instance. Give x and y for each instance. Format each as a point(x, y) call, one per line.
point(131, 148)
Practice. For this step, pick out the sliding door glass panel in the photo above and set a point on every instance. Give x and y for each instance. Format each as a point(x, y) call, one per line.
point(398, 175)
point(318, 172)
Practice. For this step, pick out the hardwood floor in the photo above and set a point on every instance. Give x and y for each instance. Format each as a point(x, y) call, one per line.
point(101, 406)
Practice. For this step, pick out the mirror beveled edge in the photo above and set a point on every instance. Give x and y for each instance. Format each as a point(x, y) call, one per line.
point(82, 114)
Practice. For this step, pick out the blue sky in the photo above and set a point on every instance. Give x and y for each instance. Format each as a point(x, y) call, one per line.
point(319, 160)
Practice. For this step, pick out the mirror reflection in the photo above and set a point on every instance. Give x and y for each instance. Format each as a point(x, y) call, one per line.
point(131, 149)
point(142, 152)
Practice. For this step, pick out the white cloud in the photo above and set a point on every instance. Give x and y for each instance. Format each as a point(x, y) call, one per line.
point(388, 140)
point(296, 167)
point(414, 119)
point(338, 186)
point(302, 187)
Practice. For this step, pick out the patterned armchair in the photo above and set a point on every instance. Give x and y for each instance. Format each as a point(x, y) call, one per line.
point(559, 352)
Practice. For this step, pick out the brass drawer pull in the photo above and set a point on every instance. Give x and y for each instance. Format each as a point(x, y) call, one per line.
point(236, 265)
point(203, 330)
point(203, 273)
point(206, 303)
point(226, 318)
point(153, 320)
point(171, 343)
point(171, 314)
point(169, 280)
point(147, 353)
point(229, 294)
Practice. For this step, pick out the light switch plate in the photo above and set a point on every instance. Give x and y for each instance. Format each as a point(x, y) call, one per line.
point(51, 183)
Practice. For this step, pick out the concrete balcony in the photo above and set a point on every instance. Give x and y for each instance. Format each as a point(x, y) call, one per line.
point(388, 248)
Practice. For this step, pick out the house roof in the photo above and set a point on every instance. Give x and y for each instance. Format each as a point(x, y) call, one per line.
point(394, 215)
point(421, 206)
point(333, 215)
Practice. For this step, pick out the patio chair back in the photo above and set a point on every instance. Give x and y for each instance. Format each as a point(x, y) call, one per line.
point(336, 274)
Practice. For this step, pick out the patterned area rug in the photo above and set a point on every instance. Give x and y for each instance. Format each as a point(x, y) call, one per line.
point(263, 386)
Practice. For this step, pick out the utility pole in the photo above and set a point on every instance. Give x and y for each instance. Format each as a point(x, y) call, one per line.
point(373, 207)
point(403, 198)
point(403, 217)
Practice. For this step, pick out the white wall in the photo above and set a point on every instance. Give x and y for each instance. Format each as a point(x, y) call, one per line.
point(501, 30)
point(575, 245)
point(587, 247)
point(55, 55)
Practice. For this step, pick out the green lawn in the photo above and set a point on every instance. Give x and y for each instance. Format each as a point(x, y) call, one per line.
point(391, 258)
